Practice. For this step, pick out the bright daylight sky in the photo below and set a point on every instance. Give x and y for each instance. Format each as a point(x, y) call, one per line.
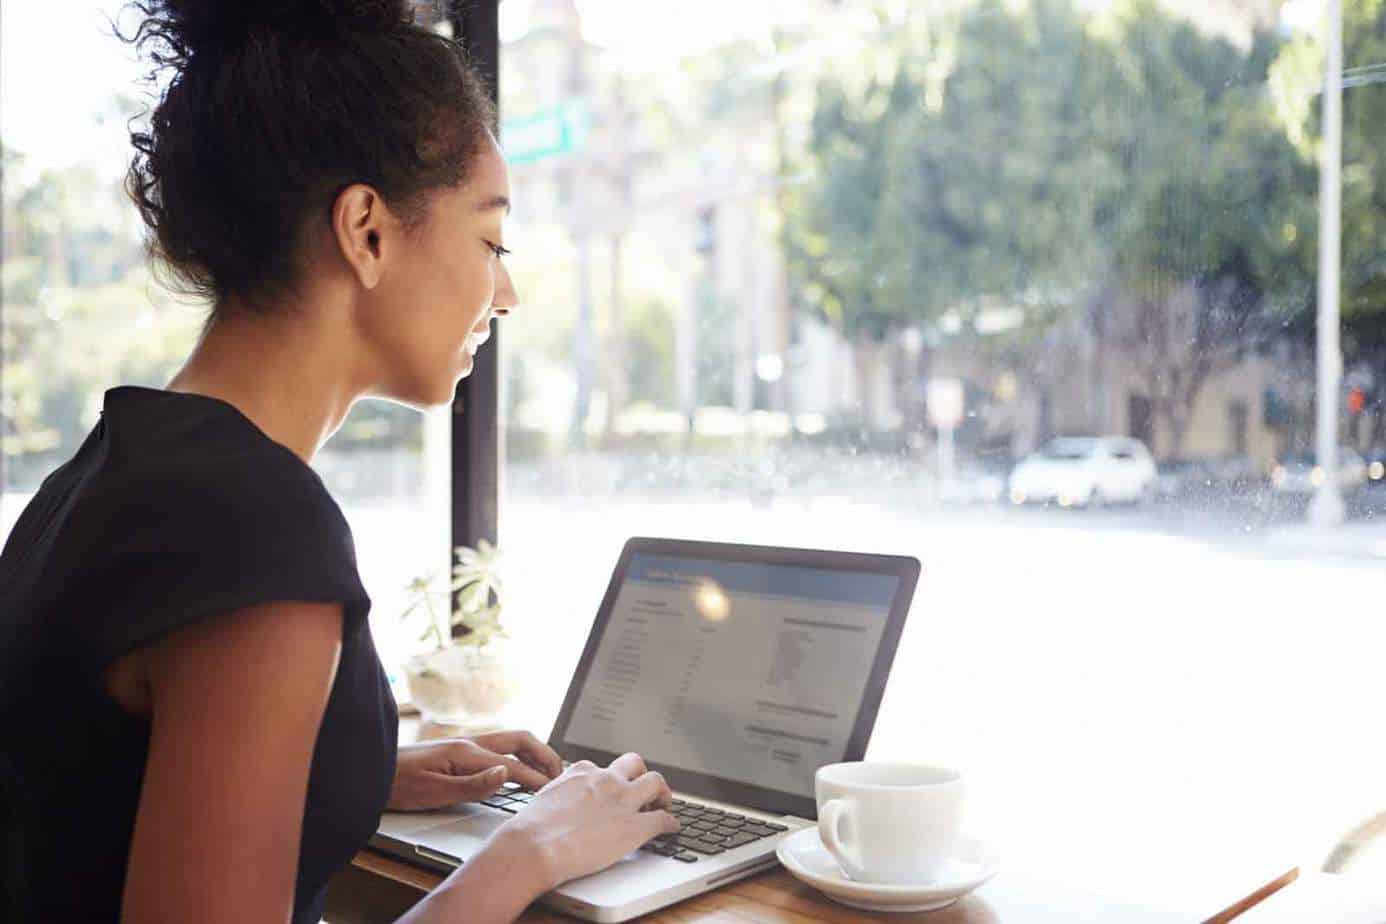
point(60, 66)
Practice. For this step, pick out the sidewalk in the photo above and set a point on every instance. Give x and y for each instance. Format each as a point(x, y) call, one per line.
point(1357, 539)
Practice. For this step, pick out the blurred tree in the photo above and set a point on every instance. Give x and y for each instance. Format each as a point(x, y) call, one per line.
point(1004, 180)
point(1297, 75)
point(82, 314)
point(834, 225)
point(1123, 170)
point(1297, 78)
point(650, 351)
point(964, 177)
point(1211, 247)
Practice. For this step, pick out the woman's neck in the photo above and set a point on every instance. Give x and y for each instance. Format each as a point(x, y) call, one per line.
point(291, 377)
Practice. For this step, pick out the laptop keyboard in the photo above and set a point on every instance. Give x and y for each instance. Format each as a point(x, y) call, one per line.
point(706, 831)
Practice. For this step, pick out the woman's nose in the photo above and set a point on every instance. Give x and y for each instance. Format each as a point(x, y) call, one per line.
point(504, 297)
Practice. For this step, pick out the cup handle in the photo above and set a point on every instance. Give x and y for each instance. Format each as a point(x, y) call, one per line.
point(829, 820)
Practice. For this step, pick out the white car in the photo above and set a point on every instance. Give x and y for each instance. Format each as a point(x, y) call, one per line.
point(1083, 471)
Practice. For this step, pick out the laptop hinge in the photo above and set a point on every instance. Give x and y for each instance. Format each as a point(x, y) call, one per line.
point(437, 855)
point(743, 869)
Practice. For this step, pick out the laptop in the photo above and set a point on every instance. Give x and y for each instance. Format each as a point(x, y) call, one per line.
point(735, 671)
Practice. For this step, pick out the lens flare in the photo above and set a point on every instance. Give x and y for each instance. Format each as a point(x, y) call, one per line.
point(712, 602)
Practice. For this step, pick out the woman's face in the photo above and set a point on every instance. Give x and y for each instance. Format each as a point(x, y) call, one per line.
point(446, 284)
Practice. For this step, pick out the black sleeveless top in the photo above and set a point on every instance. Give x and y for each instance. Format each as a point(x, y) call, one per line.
point(175, 508)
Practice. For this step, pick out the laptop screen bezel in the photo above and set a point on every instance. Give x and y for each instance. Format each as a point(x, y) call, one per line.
point(905, 569)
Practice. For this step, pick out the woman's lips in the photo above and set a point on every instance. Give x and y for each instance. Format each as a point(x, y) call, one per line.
point(479, 335)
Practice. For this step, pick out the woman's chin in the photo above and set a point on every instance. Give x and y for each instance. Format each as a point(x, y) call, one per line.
point(464, 366)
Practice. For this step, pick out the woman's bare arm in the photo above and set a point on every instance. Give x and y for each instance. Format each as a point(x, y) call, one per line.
point(236, 703)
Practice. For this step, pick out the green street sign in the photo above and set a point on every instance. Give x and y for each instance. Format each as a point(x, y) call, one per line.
point(547, 133)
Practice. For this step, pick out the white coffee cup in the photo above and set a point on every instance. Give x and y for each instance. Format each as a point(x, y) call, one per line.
point(889, 822)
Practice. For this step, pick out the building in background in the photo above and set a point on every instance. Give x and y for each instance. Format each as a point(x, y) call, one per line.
point(650, 207)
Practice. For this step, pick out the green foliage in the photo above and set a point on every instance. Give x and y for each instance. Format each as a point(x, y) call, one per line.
point(378, 423)
point(1213, 192)
point(1008, 178)
point(69, 344)
point(1059, 153)
point(650, 352)
point(1364, 162)
point(477, 586)
point(82, 314)
point(716, 339)
point(930, 198)
point(1297, 75)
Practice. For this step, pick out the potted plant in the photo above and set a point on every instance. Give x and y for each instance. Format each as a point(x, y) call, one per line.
point(461, 678)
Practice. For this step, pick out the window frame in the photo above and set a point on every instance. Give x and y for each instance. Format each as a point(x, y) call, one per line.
point(477, 446)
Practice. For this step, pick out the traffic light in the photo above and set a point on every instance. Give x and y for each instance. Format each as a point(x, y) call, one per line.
point(1356, 400)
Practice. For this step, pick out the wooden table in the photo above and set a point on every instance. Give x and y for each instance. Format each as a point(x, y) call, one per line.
point(1324, 898)
point(377, 889)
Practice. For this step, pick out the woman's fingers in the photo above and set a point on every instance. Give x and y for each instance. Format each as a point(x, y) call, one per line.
point(471, 757)
point(630, 765)
point(592, 816)
point(522, 773)
point(653, 824)
point(649, 789)
point(527, 747)
point(469, 787)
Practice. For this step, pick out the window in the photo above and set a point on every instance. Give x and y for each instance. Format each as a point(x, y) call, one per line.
point(1070, 450)
point(751, 248)
point(82, 314)
point(747, 246)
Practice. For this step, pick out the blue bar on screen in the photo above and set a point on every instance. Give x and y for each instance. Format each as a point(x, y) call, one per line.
point(777, 580)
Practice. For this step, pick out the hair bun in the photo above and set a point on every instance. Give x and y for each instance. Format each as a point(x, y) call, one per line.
point(195, 24)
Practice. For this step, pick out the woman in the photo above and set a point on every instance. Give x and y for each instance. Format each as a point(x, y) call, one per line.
point(197, 724)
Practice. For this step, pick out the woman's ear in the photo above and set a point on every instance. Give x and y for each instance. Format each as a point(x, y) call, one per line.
point(360, 220)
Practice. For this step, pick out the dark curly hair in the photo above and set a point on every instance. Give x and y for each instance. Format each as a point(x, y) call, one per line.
point(273, 108)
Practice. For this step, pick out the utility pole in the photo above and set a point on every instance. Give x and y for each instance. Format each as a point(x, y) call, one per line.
point(584, 349)
point(1327, 508)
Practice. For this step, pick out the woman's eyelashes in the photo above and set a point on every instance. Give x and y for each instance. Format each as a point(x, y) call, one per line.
point(497, 249)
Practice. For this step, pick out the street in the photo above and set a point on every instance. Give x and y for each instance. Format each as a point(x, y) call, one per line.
point(1118, 692)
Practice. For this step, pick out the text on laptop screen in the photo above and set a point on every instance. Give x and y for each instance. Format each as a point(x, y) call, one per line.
point(749, 672)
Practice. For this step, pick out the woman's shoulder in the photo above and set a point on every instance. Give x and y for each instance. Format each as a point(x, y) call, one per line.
point(181, 428)
point(226, 500)
point(146, 532)
point(173, 458)
point(256, 481)
point(187, 482)
point(172, 541)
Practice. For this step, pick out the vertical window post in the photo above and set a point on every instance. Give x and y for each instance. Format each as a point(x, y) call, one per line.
point(476, 438)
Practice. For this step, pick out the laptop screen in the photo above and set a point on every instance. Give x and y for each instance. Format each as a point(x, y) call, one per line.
point(752, 672)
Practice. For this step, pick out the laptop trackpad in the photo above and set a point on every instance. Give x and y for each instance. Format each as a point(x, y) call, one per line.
point(463, 836)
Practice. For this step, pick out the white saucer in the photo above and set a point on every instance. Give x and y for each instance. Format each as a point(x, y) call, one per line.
point(804, 855)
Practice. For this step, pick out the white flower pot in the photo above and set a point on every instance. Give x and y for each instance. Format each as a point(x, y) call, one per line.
point(460, 684)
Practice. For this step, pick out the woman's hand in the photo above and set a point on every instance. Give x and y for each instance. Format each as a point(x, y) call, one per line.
point(588, 819)
point(432, 774)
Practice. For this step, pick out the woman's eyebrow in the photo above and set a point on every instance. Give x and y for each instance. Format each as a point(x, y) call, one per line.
point(495, 202)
